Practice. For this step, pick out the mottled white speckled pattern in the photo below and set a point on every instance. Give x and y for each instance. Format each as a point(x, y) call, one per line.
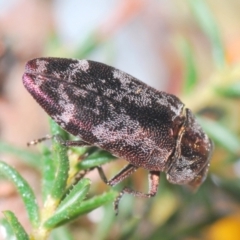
point(113, 110)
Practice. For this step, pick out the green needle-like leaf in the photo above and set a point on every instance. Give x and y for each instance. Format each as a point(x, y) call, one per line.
point(68, 209)
point(25, 191)
point(95, 202)
point(97, 158)
point(61, 162)
point(61, 175)
point(17, 228)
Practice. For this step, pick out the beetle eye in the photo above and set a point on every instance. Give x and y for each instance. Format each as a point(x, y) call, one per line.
point(192, 154)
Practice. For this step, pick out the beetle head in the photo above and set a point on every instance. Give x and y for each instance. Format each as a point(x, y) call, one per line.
point(193, 151)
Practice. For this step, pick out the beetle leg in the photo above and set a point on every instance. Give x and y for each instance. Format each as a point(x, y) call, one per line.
point(70, 143)
point(58, 138)
point(153, 187)
point(39, 140)
point(78, 143)
point(124, 173)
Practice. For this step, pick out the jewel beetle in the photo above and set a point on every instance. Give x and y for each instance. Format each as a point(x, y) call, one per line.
point(110, 109)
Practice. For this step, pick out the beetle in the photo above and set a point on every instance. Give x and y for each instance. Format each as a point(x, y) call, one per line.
point(110, 109)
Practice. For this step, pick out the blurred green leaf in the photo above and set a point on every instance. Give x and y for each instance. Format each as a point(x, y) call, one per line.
point(61, 233)
point(32, 159)
point(97, 201)
point(24, 190)
point(68, 209)
point(7, 231)
point(209, 26)
point(104, 227)
point(230, 186)
point(130, 228)
point(221, 135)
point(17, 228)
point(190, 78)
point(91, 42)
point(53, 46)
point(231, 91)
point(97, 158)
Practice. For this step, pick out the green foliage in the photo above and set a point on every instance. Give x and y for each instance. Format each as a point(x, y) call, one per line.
point(64, 198)
point(24, 190)
point(17, 228)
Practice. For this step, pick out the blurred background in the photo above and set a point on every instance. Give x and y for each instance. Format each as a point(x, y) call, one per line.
point(188, 48)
